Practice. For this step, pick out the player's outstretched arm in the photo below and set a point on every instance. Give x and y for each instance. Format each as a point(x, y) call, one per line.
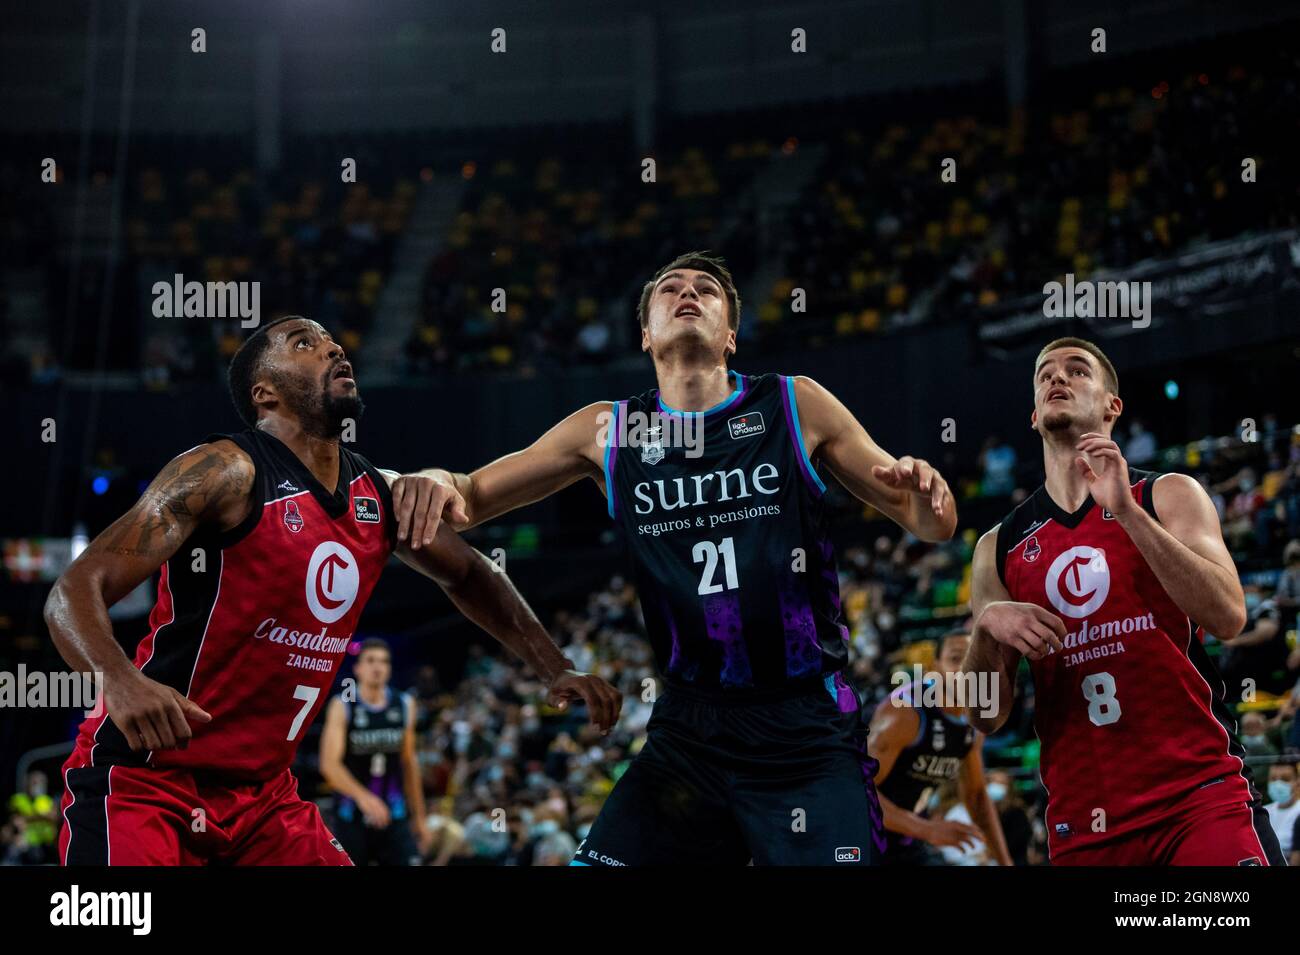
point(907, 490)
point(973, 791)
point(208, 485)
point(1004, 631)
point(570, 451)
point(485, 595)
point(892, 728)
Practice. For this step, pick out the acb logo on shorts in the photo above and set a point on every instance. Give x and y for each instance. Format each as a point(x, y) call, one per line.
point(848, 854)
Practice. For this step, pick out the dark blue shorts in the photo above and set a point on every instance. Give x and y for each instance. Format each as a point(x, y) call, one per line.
point(721, 782)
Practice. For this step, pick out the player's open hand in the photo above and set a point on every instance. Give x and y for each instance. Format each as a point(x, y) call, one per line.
point(374, 810)
point(604, 703)
point(1025, 627)
point(917, 477)
point(1103, 466)
point(150, 715)
point(421, 502)
point(949, 832)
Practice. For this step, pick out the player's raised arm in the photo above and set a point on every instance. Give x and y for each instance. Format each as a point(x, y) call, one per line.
point(1003, 632)
point(570, 451)
point(208, 485)
point(1184, 548)
point(907, 490)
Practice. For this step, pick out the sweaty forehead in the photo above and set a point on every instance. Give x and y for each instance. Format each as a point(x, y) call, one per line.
point(282, 332)
point(1064, 355)
point(688, 275)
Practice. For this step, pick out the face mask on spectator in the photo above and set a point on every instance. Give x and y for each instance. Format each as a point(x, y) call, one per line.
point(1255, 740)
point(1252, 602)
point(997, 791)
point(584, 830)
point(1279, 790)
point(546, 827)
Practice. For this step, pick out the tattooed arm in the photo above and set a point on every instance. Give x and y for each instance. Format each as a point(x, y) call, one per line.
point(207, 486)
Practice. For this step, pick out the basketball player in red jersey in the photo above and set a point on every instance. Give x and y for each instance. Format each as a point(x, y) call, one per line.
point(1103, 579)
point(268, 543)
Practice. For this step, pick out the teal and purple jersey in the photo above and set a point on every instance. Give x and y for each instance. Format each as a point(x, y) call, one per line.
point(724, 517)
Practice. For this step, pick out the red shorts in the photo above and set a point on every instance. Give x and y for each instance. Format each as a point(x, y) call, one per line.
point(1236, 834)
point(138, 815)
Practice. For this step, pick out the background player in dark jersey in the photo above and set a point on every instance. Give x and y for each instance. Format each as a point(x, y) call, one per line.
point(756, 748)
point(266, 541)
point(1102, 579)
point(367, 753)
point(922, 748)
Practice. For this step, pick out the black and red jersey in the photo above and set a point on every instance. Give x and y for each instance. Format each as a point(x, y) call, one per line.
point(1131, 714)
point(252, 624)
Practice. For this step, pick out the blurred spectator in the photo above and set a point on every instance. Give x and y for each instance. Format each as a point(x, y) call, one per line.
point(1254, 736)
point(1259, 652)
point(1283, 808)
point(1287, 595)
point(30, 835)
point(998, 464)
point(1140, 449)
point(1016, 825)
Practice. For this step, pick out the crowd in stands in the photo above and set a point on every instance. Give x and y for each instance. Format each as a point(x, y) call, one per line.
point(1126, 174)
point(1105, 176)
point(567, 238)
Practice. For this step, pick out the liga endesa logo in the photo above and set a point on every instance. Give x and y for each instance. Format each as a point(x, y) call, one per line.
point(1078, 581)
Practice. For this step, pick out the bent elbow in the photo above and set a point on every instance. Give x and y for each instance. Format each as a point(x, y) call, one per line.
point(1234, 621)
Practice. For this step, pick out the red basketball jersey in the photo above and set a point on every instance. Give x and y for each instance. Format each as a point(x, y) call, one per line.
point(252, 624)
point(1130, 714)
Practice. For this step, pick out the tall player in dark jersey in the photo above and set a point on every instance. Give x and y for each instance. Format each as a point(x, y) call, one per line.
point(922, 746)
point(268, 544)
point(1103, 579)
point(755, 749)
point(367, 754)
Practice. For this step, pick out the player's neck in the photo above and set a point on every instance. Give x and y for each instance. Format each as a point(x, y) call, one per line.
point(692, 385)
point(319, 455)
point(1065, 485)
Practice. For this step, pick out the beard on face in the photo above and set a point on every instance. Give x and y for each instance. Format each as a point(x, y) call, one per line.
point(322, 414)
point(1055, 421)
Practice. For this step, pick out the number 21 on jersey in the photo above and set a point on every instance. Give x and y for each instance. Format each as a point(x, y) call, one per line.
point(707, 553)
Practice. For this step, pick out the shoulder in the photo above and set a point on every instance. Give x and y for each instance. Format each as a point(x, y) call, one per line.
point(1020, 520)
point(1173, 494)
point(896, 717)
point(222, 468)
point(806, 389)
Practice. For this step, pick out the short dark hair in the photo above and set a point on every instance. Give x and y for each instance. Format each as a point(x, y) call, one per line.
point(952, 635)
point(1112, 377)
point(373, 643)
point(246, 364)
point(700, 262)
